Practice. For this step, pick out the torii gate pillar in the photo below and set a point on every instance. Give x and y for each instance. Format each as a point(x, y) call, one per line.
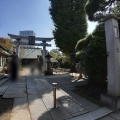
point(44, 54)
point(17, 47)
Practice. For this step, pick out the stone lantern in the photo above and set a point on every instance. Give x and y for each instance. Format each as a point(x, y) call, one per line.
point(48, 71)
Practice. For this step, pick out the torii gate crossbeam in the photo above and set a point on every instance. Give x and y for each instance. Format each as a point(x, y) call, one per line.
point(43, 40)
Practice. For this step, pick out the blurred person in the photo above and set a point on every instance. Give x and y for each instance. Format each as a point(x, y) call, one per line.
point(14, 66)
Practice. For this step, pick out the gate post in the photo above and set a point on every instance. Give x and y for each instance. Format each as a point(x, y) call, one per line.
point(44, 54)
point(112, 98)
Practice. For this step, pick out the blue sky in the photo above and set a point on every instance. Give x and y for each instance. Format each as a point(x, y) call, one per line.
point(18, 15)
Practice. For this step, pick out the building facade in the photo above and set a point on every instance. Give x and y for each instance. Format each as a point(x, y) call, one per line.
point(26, 33)
point(28, 53)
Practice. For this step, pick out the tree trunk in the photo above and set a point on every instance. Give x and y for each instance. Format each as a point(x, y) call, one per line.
point(73, 62)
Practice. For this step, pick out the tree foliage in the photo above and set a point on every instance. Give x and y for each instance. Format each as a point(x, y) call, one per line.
point(55, 55)
point(6, 44)
point(63, 59)
point(92, 49)
point(97, 9)
point(93, 55)
point(116, 9)
point(69, 19)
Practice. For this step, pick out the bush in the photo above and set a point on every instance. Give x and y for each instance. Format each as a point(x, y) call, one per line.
point(93, 56)
point(48, 72)
point(65, 65)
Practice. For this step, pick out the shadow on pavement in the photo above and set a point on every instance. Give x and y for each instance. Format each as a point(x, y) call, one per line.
point(34, 95)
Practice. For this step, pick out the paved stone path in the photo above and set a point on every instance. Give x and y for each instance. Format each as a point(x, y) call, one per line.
point(33, 99)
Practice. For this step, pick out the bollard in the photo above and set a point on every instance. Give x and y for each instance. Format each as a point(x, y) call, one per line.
point(54, 94)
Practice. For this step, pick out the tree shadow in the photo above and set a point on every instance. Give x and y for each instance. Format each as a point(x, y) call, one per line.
point(37, 92)
point(5, 107)
point(66, 108)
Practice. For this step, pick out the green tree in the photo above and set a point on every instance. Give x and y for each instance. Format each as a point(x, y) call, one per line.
point(6, 44)
point(93, 55)
point(55, 55)
point(92, 49)
point(116, 9)
point(63, 59)
point(97, 9)
point(69, 19)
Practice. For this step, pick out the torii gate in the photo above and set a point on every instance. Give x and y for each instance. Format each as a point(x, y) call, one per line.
point(31, 41)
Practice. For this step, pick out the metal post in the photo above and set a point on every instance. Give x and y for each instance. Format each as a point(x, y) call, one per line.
point(54, 94)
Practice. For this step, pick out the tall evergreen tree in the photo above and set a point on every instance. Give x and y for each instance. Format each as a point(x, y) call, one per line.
point(69, 19)
point(96, 9)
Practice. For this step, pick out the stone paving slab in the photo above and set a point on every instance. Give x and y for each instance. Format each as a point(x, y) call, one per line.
point(48, 101)
point(72, 107)
point(37, 108)
point(57, 75)
point(3, 89)
point(80, 113)
point(10, 92)
point(32, 92)
point(59, 94)
point(3, 81)
point(84, 102)
point(46, 84)
point(16, 90)
point(68, 91)
point(65, 93)
point(34, 101)
point(30, 85)
point(108, 118)
point(93, 115)
point(4, 84)
point(38, 116)
point(60, 113)
point(44, 92)
point(47, 98)
point(20, 103)
point(40, 87)
point(115, 115)
point(12, 88)
point(46, 95)
point(22, 114)
point(31, 98)
point(16, 95)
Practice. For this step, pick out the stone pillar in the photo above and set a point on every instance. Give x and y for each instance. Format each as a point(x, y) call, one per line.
point(113, 62)
point(49, 70)
point(17, 47)
point(48, 62)
point(44, 54)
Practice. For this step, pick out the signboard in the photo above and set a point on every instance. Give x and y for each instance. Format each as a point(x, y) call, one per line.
point(31, 40)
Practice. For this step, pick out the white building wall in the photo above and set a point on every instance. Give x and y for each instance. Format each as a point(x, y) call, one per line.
point(27, 51)
point(26, 33)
